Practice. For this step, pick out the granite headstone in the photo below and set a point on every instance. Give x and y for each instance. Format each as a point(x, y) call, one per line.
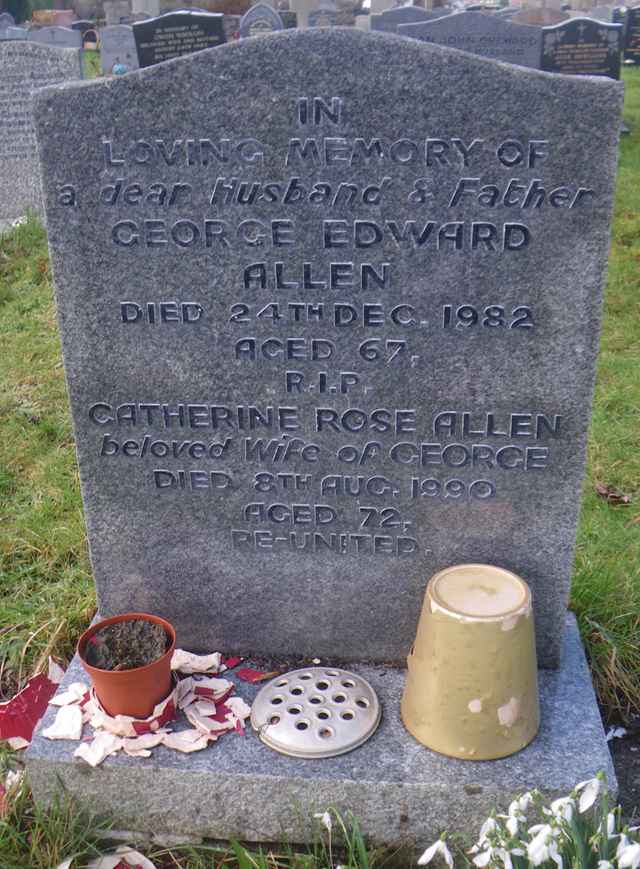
point(632, 35)
point(59, 37)
point(260, 19)
point(176, 34)
point(117, 46)
point(6, 20)
point(14, 33)
point(486, 35)
point(582, 46)
point(391, 19)
point(337, 334)
point(24, 66)
point(324, 14)
point(601, 13)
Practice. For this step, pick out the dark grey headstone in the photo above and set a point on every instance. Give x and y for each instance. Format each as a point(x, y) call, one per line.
point(59, 37)
point(117, 46)
point(6, 20)
point(311, 364)
point(482, 34)
point(632, 35)
point(177, 34)
point(260, 19)
point(24, 66)
point(582, 46)
point(391, 19)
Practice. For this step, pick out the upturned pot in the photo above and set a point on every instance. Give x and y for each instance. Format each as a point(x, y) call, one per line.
point(132, 692)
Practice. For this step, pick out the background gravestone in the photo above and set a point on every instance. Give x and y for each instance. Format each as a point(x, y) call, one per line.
point(338, 334)
point(14, 33)
point(391, 19)
point(539, 17)
point(6, 20)
point(582, 46)
point(632, 41)
point(60, 37)
point(602, 13)
point(324, 15)
point(175, 34)
point(260, 19)
point(25, 66)
point(479, 33)
point(117, 46)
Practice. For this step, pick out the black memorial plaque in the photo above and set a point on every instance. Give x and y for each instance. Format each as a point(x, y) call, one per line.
point(582, 46)
point(632, 36)
point(176, 34)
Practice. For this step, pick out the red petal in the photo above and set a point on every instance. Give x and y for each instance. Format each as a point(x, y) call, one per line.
point(248, 674)
point(19, 716)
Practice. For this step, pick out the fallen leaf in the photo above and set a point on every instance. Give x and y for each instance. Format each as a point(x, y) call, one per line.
point(19, 716)
point(56, 673)
point(74, 694)
point(248, 674)
point(613, 496)
point(186, 740)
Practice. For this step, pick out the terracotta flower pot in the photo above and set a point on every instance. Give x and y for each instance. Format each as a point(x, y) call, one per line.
point(131, 692)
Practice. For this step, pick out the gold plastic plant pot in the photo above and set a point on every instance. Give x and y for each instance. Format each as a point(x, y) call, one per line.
point(472, 679)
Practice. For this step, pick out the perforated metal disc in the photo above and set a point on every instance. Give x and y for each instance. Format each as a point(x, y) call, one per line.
point(316, 712)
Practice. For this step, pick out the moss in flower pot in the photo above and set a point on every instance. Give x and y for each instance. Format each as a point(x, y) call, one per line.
point(126, 645)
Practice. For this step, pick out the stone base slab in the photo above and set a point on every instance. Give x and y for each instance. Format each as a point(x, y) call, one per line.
point(399, 790)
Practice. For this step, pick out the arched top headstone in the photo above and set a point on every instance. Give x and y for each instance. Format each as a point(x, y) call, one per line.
point(339, 330)
point(260, 19)
point(60, 37)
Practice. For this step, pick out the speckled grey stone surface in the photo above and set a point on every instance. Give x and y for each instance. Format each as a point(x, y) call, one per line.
point(60, 37)
point(24, 65)
point(384, 479)
point(390, 20)
point(398, 789)
point(482, 34)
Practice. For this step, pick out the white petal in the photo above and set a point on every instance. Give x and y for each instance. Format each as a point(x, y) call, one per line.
point(325, 819)
point(66, 864)
point(448, 859)
point(429, 854)
point(512, 825)
point(67, 724)
point(611, 826)
point(483, 858)
point(630, 857)
point(589, 794)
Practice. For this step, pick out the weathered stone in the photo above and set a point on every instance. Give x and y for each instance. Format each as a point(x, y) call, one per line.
point(6, 20)
point(24, 66)
point(14, 33)
point(398, 790)
point(582, 47)
point(339, 331)
point(485, 35)
point(117, 46)
point(389, 20)
point(117, 11)
point(176, 34)
point(602, 13)
point(58, 37)
point(260, 19)
point(324, 14)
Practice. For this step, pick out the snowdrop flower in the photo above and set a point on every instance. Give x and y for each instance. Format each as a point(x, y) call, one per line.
point(629, 858)
point(622, 844)
point(611, 827)
point(438, 847)
point(325, 819)
point(543, 846)
point(590, 790)
point(562, 809)
point(483, 857)
point(604, 864)
point(489, 826)
point(513, 824)
point(521, 804)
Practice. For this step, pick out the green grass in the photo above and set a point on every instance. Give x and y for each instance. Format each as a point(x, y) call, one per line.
point(606, 583)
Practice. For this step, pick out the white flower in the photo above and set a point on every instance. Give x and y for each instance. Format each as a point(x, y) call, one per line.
point(622, 844)
point(590, 790)
point(438, 847)
point(505, 856)
point(483, 857)
point(611, 827)
point(543, 846)
point(562, 809)
point(604, 864)
point(489, 826)
point(630, 856)
point(325, 819)
point(521, 804)
point(513, 824)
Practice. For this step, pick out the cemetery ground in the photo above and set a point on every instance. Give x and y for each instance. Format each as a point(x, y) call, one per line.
point(46, 591)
